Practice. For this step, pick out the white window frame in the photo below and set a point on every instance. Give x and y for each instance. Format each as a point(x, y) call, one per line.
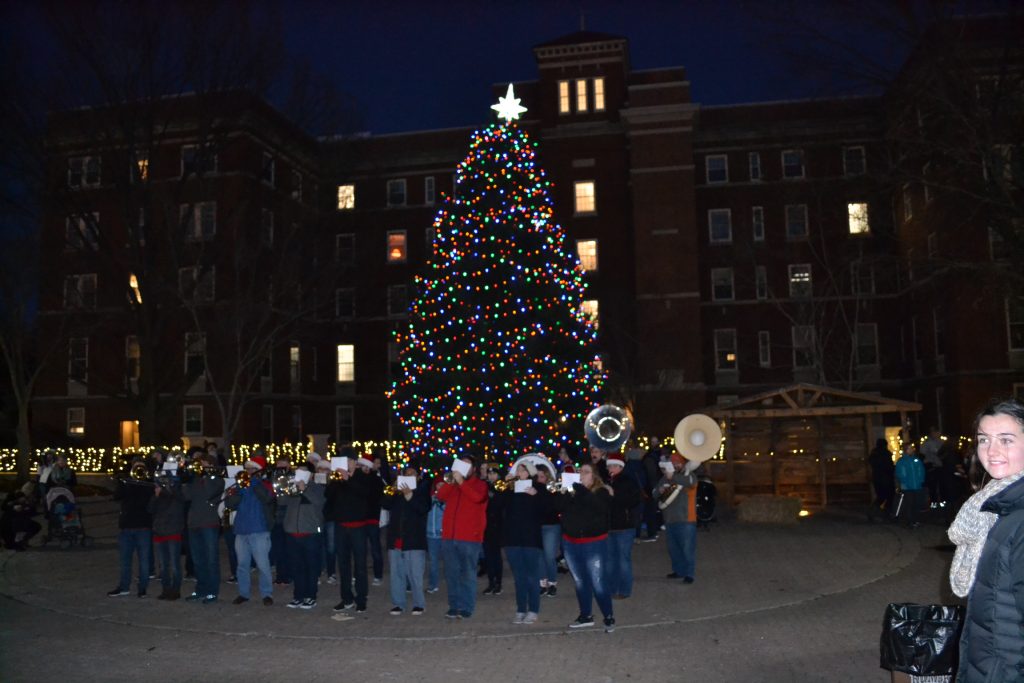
point(863, 160)
point(267, 420)
point(192, 221)
point(202, 289)
point(803, 337)
point(268, 163)
point(83, 171)
point(194, 165)
point(858, 221)
point(754, 167)
point(857, 271)
point(294, 363)
point(761, 283)
point(429, 190)
point(720, 274)
point(296, 189)
point(722, 344)
point(564, 98)
point(392, 190)
point(719, 213)
point(590, 309)
point(346, 197)
point(399, 291)
point(195, 346)
point(403, 257)
point(587, 252)
point(346, 364)
point(75, 421)
point(797, 209)
point(340, 295)
point(340, 250)
point(79, 233)
point(800, 156)
point(196, 409)
point(344, 413)
point(724, 170)
point(582, 103)
point(871, 331)
point(1011, 324)
point(757, 222)
point(81, 373)
point(584, 196)
point(764, 348)
point(598, 85)
point(798, 284)
point(77, 285)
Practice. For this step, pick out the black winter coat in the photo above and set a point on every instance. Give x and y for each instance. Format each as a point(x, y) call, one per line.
point(408, 518)
point(623, 503)
point(521, 518)
point(348, 500)
point(584, 513)
point(992, 643)
point(134, 512)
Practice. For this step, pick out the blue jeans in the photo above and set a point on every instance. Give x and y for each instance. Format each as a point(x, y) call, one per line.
point(350, 544)
point(130, 542)
point(460, 574)
point(206, 559)
point(170, 565)
point(254, 548)
point(620, 561)
point(551, 535)
point(304, 557)
point(586, 562)
point(373, 539)
point(229, 541)
point(330, 559)
point(406, 568)
point(682, 547)
point(525, 564)
point(434, 555)
point(279, 553)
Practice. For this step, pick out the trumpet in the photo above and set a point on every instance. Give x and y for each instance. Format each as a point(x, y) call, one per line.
point(558, 486)
point(197, 467)
point(449, 477)
point(337, 475)
point(390, 490)
point(243, 479)
point(286, 485)
point(501, 485)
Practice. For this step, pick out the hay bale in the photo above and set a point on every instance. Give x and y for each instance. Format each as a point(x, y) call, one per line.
point(766, 509)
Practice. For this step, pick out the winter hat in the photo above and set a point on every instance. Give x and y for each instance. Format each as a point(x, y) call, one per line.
point(678, 459)
point(531, 469)
point(257, 461)
point(365, 461)
point(615, 461)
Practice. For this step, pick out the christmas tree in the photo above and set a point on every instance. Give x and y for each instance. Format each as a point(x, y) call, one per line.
point(498, 358)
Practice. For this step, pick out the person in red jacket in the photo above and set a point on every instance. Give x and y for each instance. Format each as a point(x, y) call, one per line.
point(462, 533)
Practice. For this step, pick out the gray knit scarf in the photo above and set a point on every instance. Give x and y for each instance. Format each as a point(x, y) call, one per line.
point(969, 531)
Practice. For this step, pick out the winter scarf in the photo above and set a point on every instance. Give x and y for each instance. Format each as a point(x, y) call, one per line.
point(969, 531)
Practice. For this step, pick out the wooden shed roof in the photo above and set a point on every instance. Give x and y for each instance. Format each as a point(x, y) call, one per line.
point(808, 400)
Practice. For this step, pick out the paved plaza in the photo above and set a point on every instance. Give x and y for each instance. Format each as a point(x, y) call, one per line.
point(771, 603)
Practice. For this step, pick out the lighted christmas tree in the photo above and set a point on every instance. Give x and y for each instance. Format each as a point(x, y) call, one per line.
point(498, 358)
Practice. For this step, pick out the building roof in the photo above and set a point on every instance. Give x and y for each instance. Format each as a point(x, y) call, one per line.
point(580, 38)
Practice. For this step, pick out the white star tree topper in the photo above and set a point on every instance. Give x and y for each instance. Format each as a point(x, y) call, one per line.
point(508, 107)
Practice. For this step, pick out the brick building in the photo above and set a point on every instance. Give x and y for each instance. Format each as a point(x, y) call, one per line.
point(728, 249)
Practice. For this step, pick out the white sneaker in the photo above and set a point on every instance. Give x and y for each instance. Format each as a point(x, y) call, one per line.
point(377, 582)
point(520, 618)
point(332, 579)
point(530, 618)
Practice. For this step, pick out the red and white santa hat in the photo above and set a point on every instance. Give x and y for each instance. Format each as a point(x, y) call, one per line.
point(365, 460)
point(257, 461)
point(615, 461)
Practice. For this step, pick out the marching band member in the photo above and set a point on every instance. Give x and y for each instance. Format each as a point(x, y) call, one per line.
point(278, 545)
point(551, 535)
point(203, 494)
point(303, 519)
point(254, 518)
point(622, 531)
point(168, 508)
point(434, 518)
point(585, 544)
point(521, 517)
point(368, 464)
point(135, 522)
point(493, 565)
point(347, 499)
point(681, 517)
point(407, 542)
point(462, 532)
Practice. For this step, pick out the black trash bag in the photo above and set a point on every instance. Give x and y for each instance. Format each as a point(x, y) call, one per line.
point(921, 640)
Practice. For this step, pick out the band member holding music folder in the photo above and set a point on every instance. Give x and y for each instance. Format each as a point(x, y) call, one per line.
point(407, 540)
point(585, 514)
point(135, 522)
point(622, 530)
point(680, 515)
point(462, 533)
point(253, 504)
point(303, 521)
point(168, 510)
point(204, 493)
point(348, 499)
point(521, 511)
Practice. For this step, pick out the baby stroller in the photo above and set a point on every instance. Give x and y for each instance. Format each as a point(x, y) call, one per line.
point(706, 494)
point(64, 519)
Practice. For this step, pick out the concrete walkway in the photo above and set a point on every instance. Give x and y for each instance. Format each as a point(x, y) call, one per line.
point(771, 603)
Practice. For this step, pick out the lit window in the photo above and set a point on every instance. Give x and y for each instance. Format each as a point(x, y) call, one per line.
point(585, 198)
point(563, 97)
point(80, 291)
point(857, 218)
point(133, 284)
point(199, 221)
point(581, 94)
point(796, 221)
point(294, 364)
point(721, 284)
point(761, 282)
point(716, 168)
point(398, 301)
point(268, 169)
point(83, 171)
point(140, 167)
point(344, 303)
point(428, 190)
point(396, 246)
point(192, 420)
point(598, 94)
point(587, 250)
point(725, 349)
point(867, 344)
point(792, 164)
point(803, 346)
point(800, 280)
point(853, 161)
point(133, 357)
point(396, 192)
point(82, 231)
point(591, 311)
point(345, 249)
point(719, 225)
point(346, 197)
point(754, 163)
point(757, 222)
point(78, 359)
point(764, 349)
point(344, 418)
point(346, 363)
point(76, 421)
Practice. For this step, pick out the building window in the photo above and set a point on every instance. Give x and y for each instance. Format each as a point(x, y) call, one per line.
point(857, 218)
point(268, 169)
point(428, 190)
point(267, 423)
point(195, 354)
point(796, 221)
point(396, 192)
point(76, 422)
point(266, 227)
point(139, 168)
point(716, 168)
point(719, 226)
point(428, 237)
point(939, 326)
point(133, 358)
point(725, 349)
point(1015, 323)
point(585, 197)
point(910, 264)
point(82, 230)
point(345, 249)
point(761, 282)
point(754, 164)
point(792, 164)
point(296, 185)
point(346, 197)
point(803, 346)
point(199, 221)
point(136, 293)
point(78, 359)
point(908, 203)
point(198, 159)
point(867, 344)
point(862, 279)
point(599, 94)
point(297, 430)
point(83, 172)
point(344, 419)
point(800, 280)
point(564, 106)
point(80, 291)
point(344, 303)
point(294, 364)
point(591, 312)
point(396, 246)
point(192, 420)
point(196, 284)
point(581, 94)
point(764, 349)
point(346, 363)
point(853, 161)
point(398, 301)
point(757, 221)
point(721, 284)
point(587, 251)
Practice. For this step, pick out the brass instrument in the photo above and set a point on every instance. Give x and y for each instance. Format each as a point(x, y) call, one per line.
point(449, 477)
point(243, 479)
point(286, 485)
point(501, 485)
point(139, 472)
point(197, 467)
point(558, 486)
point(608, 427)
point(390, 490)
point(668, 495)
point(337, 475)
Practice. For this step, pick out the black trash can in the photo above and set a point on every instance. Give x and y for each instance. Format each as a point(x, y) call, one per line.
point(921, 640)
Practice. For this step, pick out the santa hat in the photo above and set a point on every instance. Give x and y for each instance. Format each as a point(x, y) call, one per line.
point(531, 469)
point(615, 461)
point(365, 461)
point(257, 461)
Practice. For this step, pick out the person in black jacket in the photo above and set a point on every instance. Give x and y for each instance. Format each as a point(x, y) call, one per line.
point(550, 533)
point(652, 468)
point(347, 499)
point(16, 525)
point(407, 542)
point(883, 477)
point(622, 529)
point(522, 514)
point(168, 509)
point(135, 522)
point(493, 565)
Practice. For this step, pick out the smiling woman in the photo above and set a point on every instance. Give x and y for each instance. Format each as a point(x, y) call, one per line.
point(988, 566)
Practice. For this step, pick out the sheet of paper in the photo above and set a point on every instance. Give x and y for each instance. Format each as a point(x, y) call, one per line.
point(461, 467)
point(569, 478)
point(320, 478)
point(233, 471)
point(522, 485)
point(302, 475)
point(170, 467)
point(406, 481)
point(339, 463)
